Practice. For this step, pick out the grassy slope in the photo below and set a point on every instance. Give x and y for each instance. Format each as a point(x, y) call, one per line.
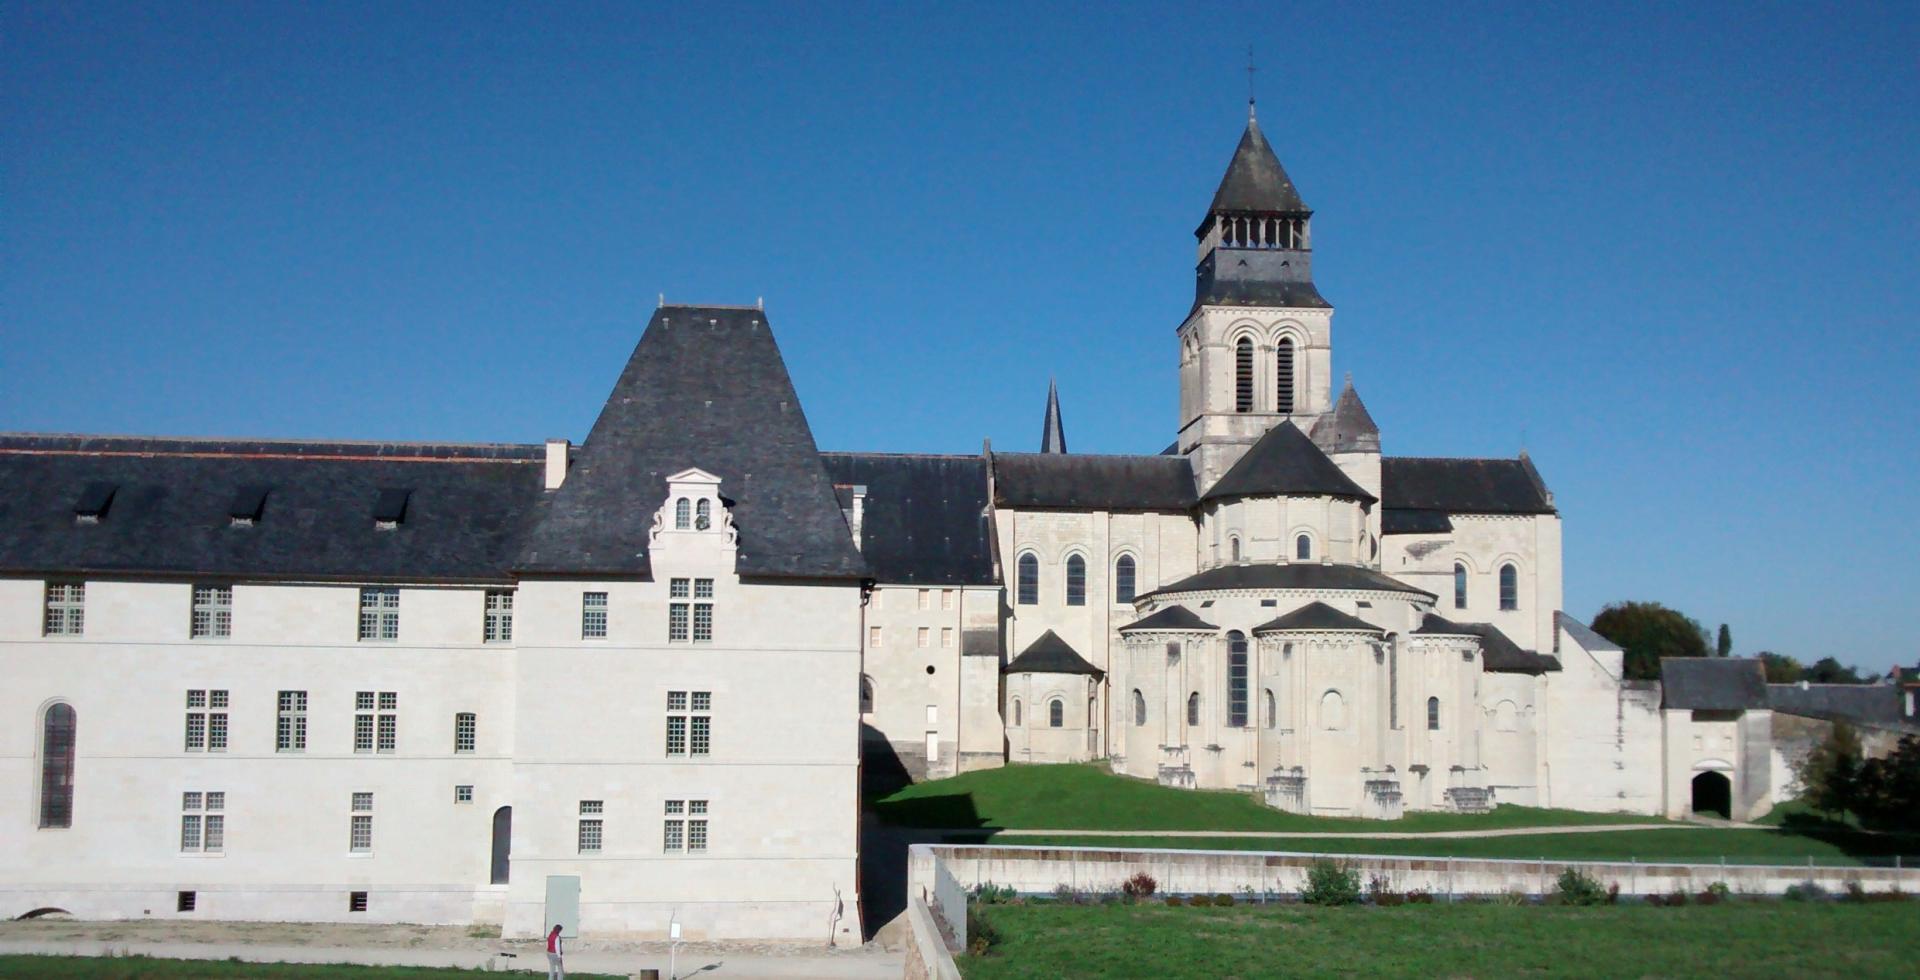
point(1678, 845)
point(144, 968)
point(1087, 797)
point(1732, 940)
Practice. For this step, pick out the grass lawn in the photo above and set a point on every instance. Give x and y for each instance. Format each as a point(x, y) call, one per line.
point(148, 968)
point(1088, 797)
point(1741, 939)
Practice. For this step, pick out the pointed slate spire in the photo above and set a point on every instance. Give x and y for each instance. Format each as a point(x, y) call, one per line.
point(1255, 181)
point(1349, 427)
point(1053, 436)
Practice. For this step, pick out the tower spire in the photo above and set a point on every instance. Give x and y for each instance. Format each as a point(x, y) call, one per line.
point(1053, 435)
point(1250, 71)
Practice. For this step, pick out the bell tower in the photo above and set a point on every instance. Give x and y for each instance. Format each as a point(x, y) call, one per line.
point(1256, 347)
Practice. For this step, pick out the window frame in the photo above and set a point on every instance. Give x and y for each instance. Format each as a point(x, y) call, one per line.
point(1056, 713)
point(1459, 585)
point(466, 732)
point(379, 614)
point(210, 612)
point(1509, 587)
point(64, 608)
point(1239, 680)
point(59, 754)
point(1027, 579)
point(1126, 580)
point(1076, 580)
point(290, 722)
point(1245, 391)
point(1284, 376)
point(593, 615)
point(497, 621)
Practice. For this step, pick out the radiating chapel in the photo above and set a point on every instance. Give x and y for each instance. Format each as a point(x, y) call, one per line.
point(637, 681)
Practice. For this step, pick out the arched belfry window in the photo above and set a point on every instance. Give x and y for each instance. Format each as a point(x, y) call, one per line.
point(1273, 709)
point(1433, 714)
point(1302, 548)
point(1243, 375)
point(1056, 713)
point(1076, 581)
point(1459, 586)
point(1016, 712)
point(1193, 709)
point(1236, 679)
point(1283, 377)
point(682, 514)
point(703, 514)
point(1123, 580)
point(1029, 580)
point(1233, 549)
point(58, 731)
point(1139, 708)
point(1509, 587)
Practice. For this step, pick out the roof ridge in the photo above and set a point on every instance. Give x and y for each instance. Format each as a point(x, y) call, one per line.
point(1092, 455)
point(1452, 459)
point(269, 440)
point(863, 452)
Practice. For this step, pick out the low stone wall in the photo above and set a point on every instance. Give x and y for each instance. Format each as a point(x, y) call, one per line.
point(927, 954)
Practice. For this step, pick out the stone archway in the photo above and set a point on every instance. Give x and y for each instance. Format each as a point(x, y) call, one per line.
point(1713, 794)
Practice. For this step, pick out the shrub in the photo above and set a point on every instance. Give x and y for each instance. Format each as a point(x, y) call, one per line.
point(1719, 890)
point(1068, 895)
point(1140, 886)
point(981, 935)
point(1419, 896)
point(1613, 893)
point(1175, 901)
point(1515, 897)
point(988, 893)
point(1678, 898)
point(1856, 892)
point(1331, 883)
point(1806, 891)
point(1223, 901)
point(1576, 887)
point(1380, 892)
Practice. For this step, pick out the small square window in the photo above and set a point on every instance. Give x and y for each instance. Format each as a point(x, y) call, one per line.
point(463, 793)
point(356, 901)
point(702, 700)
point(363, 802)
point(676, 700)
point(703, 588)
point(592, 806)
point(186, 901)
point(678, 588)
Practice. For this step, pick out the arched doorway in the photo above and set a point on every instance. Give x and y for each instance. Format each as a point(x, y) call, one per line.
point(1713, 794)
point(502, 844)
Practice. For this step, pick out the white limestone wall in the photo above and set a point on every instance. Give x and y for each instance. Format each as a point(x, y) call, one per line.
point(1267, 529)
point(1208, 416)
point(912, 640)
point(1737, 744)
point(1603, 735)
point(1033, 737)
point(1483, 543)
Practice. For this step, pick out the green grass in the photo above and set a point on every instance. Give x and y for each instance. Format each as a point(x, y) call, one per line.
point(1740, 939)
point(1088, 797)
point(147, 968)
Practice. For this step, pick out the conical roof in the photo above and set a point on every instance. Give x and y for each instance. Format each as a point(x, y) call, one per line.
point(1285, 461)
point(1348, 427)
point(1053, 435)
point(1255, 181)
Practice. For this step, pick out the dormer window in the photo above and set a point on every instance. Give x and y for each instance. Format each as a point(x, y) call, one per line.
point(93, 502)
point(247, 504)
point(390, 508)
point(682, 514)
point(703, 514)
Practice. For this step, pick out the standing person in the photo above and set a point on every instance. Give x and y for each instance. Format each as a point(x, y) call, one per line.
point(556, 953)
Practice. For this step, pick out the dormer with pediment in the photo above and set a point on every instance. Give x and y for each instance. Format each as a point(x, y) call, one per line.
point(693, 529)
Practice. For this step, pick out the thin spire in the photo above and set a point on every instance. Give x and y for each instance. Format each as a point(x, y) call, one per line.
point(1053, 435)
point(1250, 70)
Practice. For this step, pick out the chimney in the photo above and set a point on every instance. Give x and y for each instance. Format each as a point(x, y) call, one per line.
point(557, 451)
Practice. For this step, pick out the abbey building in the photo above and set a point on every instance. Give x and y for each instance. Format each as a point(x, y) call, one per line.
point(634, 682)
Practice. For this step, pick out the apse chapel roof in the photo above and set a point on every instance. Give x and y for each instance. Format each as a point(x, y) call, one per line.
point(1317, 617)
point(1050, 655)
point(1285, 461)
point(1417, 493)
point(1088, 482)
point(1170, 619)
point(705, 387)
point(1712, 683)
point(1300, 575)
point(1498, 653)
point(263, 508)
point(924, 519)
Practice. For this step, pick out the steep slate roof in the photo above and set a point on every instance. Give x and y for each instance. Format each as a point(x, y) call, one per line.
point(924, 521)
point(1463, 486)
point(174, 500)
point(1087, 482)
point(1395, 521)
point(705, 387)
point(1317, 617)
point(1713, 683)
point(1254, 180)
point(1877, 705)
point(1170, 618)
point(1307, 575)
point(1349, 427)
point(1050, 655)
point(1582, 634)
point(1499, 654)
point(1053, 434)
point(1285, 461)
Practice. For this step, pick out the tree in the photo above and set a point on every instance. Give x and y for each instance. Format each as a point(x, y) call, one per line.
point(1724, 648)
point(1827, 670)
point(1830, 773)
point(1648, 631)
point(1887, 791)
point(1781, 669)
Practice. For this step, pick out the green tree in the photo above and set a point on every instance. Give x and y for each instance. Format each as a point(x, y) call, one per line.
point(1648, 631)
point(1827, 670)
point(1781, 669)
point(1887, 791)
point(1829, 775)
point(1724, 647)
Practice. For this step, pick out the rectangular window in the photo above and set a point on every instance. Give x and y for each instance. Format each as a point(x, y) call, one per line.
point(203, 824)
point(689, 724)
point(926, 598)
point(946, 599)
point(379, 615)
point(923, 637)
point(499, 622)
point(186, 901)
point(696, 825)
point(873, 636)
point(590, 827)
point(679, 588)
point(212, 611)
point(703, 622)
point(946, 637)
point(376, 721)
point(290, 725)
point(206, 720)
point(463, 793)
point(66, 608)
point(356, 901)
point(593, 616)
point(360, 829)
point(685, 828)
point(466, 728)
point(703, 588)
point(677, 622)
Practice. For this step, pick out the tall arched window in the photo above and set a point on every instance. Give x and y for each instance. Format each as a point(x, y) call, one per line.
point(1076, 580)
point(682, 514)
point(866, 695)
point(1236, 679)
point(1333, 711)
point(1193, 708)
point(1243, 376)
point(1029, 584)
point(1302, 548)
point(1433, 714)
point(1139, 708)
point(58, 730)
point(1509, 587)
point(1233, 548)
point(1273, 709)
point(502, 850)
point(1283, 377)
point(1506, 717)
point(703, 514)
point(1123, 585)
point(1056, 713)
point(1459, 586)
point(1016, 712)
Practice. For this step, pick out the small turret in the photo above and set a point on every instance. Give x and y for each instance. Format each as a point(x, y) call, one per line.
point(1349, 428)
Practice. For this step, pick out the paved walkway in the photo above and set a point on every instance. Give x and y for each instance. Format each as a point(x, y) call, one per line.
point(1346, 834)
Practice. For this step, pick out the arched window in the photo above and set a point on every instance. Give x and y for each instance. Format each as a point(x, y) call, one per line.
point(1056, 713)
point(1236, 679)
point(1233, 548)
point(1506, 717)
point(1123, 585)
point(1433, 714)
point(1029, 584)
point(866, 695)
point(1283, 377)
point(1076, 580)
point(1139, 708)
point(502, 850)
point(1273, 709)
point(1302, 548)
point(1016, 712)
point(703, 514)
point(1459, 586)
point(1509, 587)
point(1193, 708)
point(58, 730)
point(1243, 376)
point(1333, 711)
point(682, 514)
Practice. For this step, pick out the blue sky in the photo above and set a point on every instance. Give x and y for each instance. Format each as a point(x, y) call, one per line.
point(1670, 249)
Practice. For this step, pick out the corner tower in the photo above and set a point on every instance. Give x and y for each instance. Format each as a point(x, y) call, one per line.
point(1255, 349)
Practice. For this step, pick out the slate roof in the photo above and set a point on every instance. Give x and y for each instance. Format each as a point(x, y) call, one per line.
point(924, 521)
point(1089, 482)
point(1254, 180)
point(1317, 617)
point(1349, 427)
point(1050, 655)
point(1499, 654)
point(1285, 461)
point(173, 503)
point(1309, 575)
point(705, 387)
point(1220, 287)
point(1396, 521)
point(1170, 618)
point(1053, 434)
point(1582, 634)
point(1877, 705)
point(1713, 683)
point(1463, 486)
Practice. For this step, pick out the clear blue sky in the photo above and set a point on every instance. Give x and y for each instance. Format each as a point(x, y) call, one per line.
point(1672, 248)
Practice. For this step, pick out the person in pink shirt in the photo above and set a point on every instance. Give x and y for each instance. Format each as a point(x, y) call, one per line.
point(556, 963)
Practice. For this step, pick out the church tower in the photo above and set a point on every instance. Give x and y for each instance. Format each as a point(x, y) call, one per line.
point(1256, 348)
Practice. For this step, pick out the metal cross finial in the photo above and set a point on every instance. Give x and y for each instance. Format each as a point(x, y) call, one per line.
point(1250, 70)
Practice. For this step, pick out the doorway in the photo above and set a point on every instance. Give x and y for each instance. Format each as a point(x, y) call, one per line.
point(502, 844)
point(1713, 795)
